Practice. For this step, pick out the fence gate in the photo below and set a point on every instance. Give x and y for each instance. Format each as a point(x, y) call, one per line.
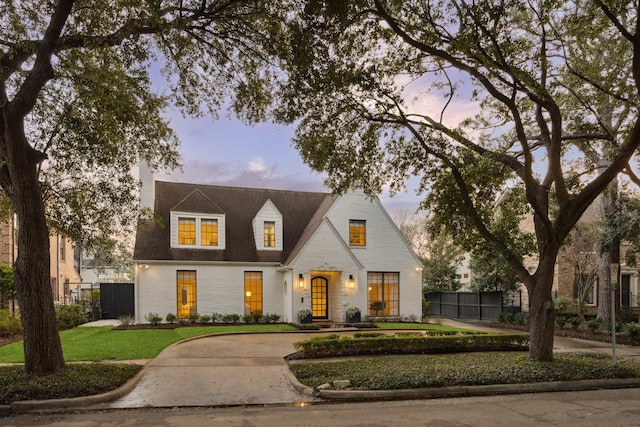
point(117, 299)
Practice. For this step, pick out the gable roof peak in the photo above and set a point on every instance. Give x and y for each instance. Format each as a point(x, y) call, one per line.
point(197, 202)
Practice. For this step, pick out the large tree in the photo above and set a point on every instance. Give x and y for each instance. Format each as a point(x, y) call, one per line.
point(77, 111)
point(378, 89)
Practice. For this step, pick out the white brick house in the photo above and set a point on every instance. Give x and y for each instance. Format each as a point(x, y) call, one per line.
point(234, 250)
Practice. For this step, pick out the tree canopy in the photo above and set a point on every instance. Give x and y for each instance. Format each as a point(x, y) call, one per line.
point(379, 90)
point(78, 110)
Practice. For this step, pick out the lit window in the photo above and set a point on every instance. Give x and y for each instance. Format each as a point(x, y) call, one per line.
point(209, 232)
point(186, 231)
point(186, 293)
point(269, 234)
point(253, 292)
point(383, 294)
point(357, 232)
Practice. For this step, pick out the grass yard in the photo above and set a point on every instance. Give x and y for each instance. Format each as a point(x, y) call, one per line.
point(93, 344)
point(106, 343)
point(420, 371)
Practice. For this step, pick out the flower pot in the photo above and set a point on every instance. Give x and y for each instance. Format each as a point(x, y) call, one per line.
point(355, 318)
point(306, 319)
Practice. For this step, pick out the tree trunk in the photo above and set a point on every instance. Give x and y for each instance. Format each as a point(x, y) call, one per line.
point(610, 255)
point(42, 349)
point(541, 313)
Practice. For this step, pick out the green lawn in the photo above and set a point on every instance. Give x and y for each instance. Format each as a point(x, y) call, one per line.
point(106, 343)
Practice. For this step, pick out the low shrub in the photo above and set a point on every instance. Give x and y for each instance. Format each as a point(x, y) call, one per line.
point(330, 347)
point(593, 325)
point(69, 316)
point(230, 318)
point(205, 318)
point(9, 325)
point(171, 318)
point(194, 317)
point(368, 334)
point(127, 320)
point(153, 318)
point(271, 317)
point(633, 329)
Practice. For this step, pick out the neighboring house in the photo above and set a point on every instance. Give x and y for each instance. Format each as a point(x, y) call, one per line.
point(233, 250)
point(63, 274)
point(574, 264)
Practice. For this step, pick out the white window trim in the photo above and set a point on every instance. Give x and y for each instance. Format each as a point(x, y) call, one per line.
point(175, 216)
point(268, 213)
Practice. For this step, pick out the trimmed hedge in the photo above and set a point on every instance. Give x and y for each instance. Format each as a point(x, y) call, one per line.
point(335, 345)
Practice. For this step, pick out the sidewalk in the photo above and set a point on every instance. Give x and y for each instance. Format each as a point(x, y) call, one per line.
point(249, 369)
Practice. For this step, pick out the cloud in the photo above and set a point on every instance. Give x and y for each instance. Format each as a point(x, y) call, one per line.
point(254, 174)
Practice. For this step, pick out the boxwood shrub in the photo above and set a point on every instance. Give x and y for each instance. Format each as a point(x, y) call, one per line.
point(335, 345)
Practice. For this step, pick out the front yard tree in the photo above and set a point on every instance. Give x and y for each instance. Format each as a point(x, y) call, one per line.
point(380, 90)
point(77, 111)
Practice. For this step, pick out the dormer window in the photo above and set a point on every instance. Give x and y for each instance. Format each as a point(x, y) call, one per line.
point(187, 231)
point(269, 234)
point(209, 232)
point(267, 228)
point(204, 231)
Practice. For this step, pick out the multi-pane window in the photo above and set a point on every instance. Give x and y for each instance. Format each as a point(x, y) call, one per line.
point(205, 231)
point(186, 231)
point(585, 287)
point(357, 232)
point(253, 292)
point(383, 293)
point(209, 232)
point(186, 285)
point(269, 234)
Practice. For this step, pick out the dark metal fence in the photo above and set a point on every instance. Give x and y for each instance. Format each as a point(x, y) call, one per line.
point(117, 299)
point(472, 305)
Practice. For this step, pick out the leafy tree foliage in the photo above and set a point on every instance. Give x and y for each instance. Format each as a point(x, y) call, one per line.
point(377, 88)
point(78, 110)
point(7, 286)
point(441, 263)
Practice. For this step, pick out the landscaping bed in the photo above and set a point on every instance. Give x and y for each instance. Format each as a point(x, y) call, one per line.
point(415, 342)
point(82, 379)
point(460, 369)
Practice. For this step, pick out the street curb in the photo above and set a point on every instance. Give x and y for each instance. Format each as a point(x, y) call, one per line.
point(82, 402)
point(479, 390)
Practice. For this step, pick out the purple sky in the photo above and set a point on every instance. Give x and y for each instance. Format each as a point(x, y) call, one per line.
point(228, 152)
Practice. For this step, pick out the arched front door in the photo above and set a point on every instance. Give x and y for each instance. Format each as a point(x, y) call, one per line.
point(319, 297)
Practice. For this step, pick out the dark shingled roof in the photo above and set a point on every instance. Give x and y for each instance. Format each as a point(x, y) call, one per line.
point(240, 206)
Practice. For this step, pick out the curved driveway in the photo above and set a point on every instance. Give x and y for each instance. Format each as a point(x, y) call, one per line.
point(249, 369)
point(239, 369)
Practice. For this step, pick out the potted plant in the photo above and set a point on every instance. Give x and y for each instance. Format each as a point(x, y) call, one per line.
point(353, 315)
point(305, 315)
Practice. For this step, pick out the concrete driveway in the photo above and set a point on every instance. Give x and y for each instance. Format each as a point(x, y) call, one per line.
point(240, 369)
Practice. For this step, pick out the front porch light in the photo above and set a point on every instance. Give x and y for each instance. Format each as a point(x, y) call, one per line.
point(351, 284)
point(300, 281)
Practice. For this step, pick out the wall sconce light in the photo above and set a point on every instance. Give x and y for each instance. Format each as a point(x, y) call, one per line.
point(300, 281)
point(418, 268)
point(144, 265)
point(351, 284)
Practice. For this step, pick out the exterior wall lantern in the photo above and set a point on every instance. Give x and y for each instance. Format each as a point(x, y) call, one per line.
point(300, 281)
point(351, 283)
